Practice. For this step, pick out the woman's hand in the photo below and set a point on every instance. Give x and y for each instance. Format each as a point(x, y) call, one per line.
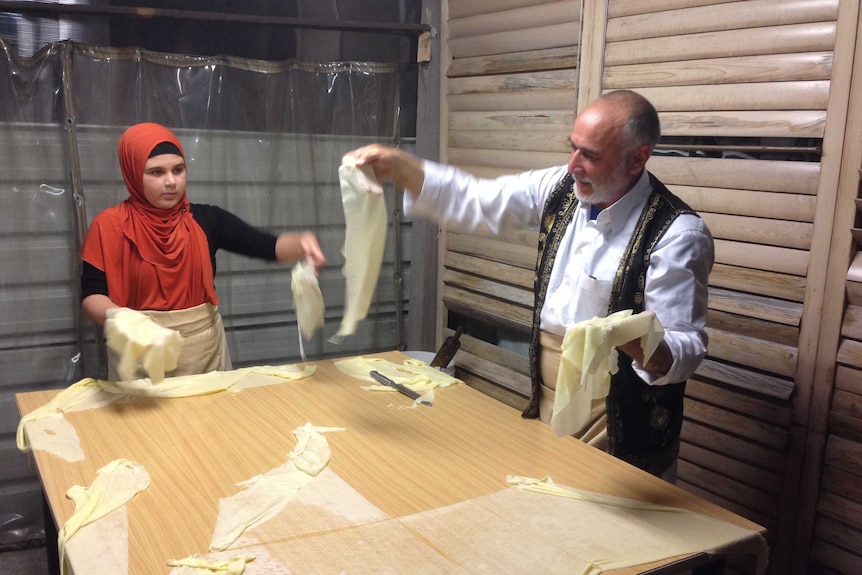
point(290, 247)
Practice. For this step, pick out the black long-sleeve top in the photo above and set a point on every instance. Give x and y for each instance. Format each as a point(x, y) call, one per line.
point(223, 231)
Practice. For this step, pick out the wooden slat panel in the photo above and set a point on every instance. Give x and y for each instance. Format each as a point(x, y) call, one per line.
point(841, 482)
point(751, 327)
point(618, 8)
point(840, 508)
point(515, 19)
point(844, 454)
point(835, 558)
point(854, 273)
point(763, 124)
point(731, 467)
point(528, 81)
point(493, 372)
point(761, 519)
point(757, 13)
point(492, 270)
point(757, 204)
point(717, 71)
point(509, 101)
point(811, 95)
point(514, 140)
point(838, 533)
point(489, 288)
point(557, 35)
point(735, 447)
point(782, 260)
point(754, 306)
point(760, 230)
point(776, 413)
point(761, 282)
point(848, 379)
point(488, 309)
point(509, 159)
point(564, 58)
point(465, 8)
point(852, 324)
point(850, 353)
point(556, 122)
point(854, 292)
point(752, 429)
point(844, 426)
point(847, 404)
point(758, 354)
point(811, 37)
point(766, 176)
point(746, 379)
point(747, 496)
point(503, 357)
point(502, 394)
point(516, 253)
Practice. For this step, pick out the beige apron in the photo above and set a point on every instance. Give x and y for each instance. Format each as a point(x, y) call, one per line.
point(595, 432)
point(204, 341)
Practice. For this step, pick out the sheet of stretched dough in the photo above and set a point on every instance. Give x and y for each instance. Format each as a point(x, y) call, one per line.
point(115, 484)
point(364, 243)
point(102, 547)
point(380, 547)
point(138, 340)
point(307, 299)
point(582, 534)
point(56, 436)
point(589, 358)
point(90, 393)
point(415, 374)
point(264, 496)
point(482, 538)
point(84, 394)
point(326, 504)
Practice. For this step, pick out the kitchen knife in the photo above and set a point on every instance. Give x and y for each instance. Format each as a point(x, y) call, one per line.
point(401, 388)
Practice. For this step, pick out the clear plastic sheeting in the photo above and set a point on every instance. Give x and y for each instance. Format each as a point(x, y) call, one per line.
point(262, 139)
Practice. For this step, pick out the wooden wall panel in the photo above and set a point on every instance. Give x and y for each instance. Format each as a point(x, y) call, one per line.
point(720, 70)
point(511, 89)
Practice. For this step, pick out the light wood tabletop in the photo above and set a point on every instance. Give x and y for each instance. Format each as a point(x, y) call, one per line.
point(400, 462)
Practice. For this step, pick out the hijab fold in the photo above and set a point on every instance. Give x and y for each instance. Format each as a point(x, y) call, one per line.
point(154, 259)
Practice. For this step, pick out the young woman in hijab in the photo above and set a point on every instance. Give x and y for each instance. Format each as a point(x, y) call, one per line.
point(155, 251)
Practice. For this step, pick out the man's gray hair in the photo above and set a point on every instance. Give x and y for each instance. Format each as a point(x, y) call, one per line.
point(643, 127)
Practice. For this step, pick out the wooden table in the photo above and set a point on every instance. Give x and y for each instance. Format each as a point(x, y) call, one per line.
point(401, 461)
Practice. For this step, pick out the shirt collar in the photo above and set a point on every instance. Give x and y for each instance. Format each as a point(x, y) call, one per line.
point(616, 215)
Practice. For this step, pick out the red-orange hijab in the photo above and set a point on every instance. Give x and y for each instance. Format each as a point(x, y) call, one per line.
point(153, 258)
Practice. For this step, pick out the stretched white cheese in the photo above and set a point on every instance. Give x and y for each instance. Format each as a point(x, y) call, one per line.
point(364, 241)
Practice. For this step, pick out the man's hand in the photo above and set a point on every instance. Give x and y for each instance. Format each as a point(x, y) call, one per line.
point(403, 169)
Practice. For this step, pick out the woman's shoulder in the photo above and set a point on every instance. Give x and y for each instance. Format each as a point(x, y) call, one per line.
point(110, 217)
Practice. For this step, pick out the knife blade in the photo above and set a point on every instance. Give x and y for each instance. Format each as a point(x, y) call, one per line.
point(379, 377)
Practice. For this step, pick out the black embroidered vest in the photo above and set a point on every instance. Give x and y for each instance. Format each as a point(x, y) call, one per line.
point(644, 421)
